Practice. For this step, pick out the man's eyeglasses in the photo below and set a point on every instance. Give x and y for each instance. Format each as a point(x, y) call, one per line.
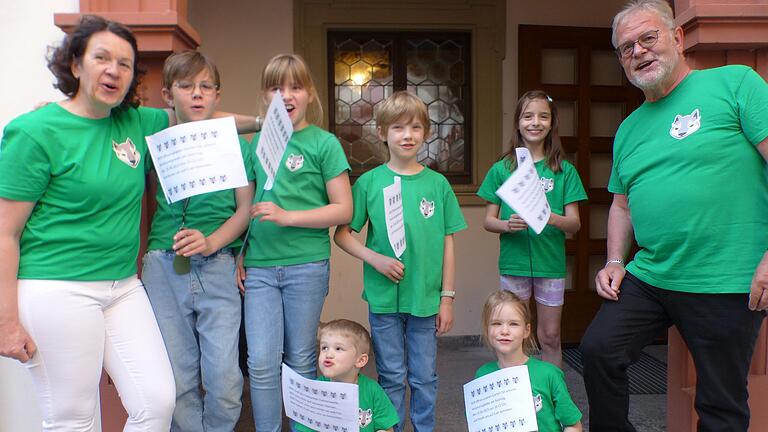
point(206, 87)
point(646, 40)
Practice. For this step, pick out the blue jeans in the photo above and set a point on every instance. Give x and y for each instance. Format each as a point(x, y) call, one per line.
point(282, 313)
point(406, 346)
point(199, 317)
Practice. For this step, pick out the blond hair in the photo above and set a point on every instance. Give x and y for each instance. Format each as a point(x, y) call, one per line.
point(361, 339)
point(402, 105)
point(500, 298)
point(187, 64)
point(284, 68)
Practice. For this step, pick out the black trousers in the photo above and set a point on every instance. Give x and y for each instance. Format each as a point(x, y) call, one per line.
point(720, 332)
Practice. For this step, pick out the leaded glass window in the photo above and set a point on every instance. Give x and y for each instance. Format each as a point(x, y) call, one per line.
point(367, 67)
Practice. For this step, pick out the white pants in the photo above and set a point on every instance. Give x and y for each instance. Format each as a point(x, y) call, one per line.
point(80, 327)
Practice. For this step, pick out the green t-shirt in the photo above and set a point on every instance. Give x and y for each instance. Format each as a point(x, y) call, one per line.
point(86, 177)
point(205, 212)
point(313, 157)
point(376, 411)
point(547, 251)
point(430, 212)
point(554, 407)
point(696, 184)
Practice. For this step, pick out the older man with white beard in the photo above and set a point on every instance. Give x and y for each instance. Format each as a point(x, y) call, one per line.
point(689, 181)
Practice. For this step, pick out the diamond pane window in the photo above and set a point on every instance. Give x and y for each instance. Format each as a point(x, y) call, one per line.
point(366, 67)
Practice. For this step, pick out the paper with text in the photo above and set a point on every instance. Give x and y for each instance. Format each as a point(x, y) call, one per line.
point(523, 192)
point(502, 400)
point(274, 138)
point(393, 213)
point(320, 405)
point(197, 157)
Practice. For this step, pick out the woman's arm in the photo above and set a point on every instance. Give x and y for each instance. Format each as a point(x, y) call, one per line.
point(337, 212)
point(570, 223)
point(189, 242)
point(245, 123)
point(15, 342)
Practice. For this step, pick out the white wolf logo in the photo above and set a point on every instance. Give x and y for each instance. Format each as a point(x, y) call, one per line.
point(294, 162)
point(365, 417)
point(126, 152)
point(427, 208)
point(537, 403)
point(547, 184)
point(683, 126)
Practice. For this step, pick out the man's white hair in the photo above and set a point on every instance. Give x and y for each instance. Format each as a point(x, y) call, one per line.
point(660, 8)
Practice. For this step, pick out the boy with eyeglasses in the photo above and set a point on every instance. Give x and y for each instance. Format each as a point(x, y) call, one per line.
point(196, 301)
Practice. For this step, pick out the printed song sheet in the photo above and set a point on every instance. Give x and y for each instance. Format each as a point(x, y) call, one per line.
point(523, 192)
point(320, 405)
point(501, 400)
point(393, 212)
point(274, 138)
point(197, 157)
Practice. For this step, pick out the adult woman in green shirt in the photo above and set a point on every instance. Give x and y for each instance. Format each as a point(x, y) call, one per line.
point(70, 199)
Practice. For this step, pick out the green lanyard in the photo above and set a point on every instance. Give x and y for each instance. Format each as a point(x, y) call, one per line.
point(181, 263)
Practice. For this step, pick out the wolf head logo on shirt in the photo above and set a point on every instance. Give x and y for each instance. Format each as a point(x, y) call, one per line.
point(294, 162)
point(682, 126)
point(537, 402)
point(365, 417)
point(126, 152)
point(547, 183)
point(427, 208)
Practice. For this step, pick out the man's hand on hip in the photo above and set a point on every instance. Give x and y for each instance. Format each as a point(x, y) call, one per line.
point(758, 292)
point(608, 281)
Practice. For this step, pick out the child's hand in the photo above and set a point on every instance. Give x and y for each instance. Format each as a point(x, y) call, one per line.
point(269, 211)
point(188, 242)
point(444, 320)
point(516, 224)
point(388, 266)
point(240, 275)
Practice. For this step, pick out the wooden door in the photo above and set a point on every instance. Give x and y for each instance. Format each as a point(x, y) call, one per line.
point(578, 68)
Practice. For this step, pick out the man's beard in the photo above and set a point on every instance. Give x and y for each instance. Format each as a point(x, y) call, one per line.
point(655, 80)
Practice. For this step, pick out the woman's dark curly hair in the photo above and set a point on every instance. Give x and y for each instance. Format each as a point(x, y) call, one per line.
point(73, 47)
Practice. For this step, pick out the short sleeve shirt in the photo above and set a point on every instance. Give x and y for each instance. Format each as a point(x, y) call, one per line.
point(546, 255)
point(312, 158)
point(86, 178)
point(430, 212)
point(376, 411)
point(554, 407)
point(205, 212)
point(695, 183)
